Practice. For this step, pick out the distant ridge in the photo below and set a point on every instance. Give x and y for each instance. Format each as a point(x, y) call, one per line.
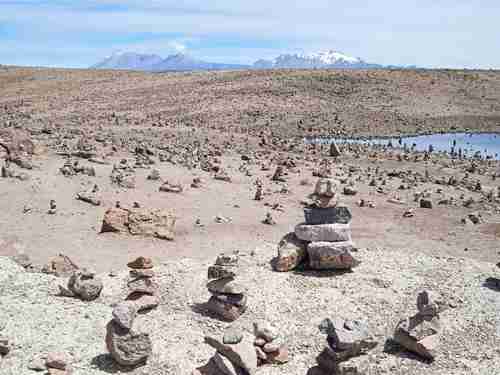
point(183, 62)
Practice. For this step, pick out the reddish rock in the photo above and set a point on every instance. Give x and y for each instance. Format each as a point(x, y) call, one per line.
point(115, 220)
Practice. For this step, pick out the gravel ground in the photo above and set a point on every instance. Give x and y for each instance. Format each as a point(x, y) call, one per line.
point(380, 291)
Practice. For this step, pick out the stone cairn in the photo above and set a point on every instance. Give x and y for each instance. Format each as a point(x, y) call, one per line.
point(347, 341)
point(126, 346)
point(268, 346)
point(324, 240)
point(420, 333)
point(235, 354)
point(228, 299)
point(241, 353)
point(142, 290)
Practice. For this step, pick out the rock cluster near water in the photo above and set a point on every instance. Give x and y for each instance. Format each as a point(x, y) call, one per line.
point(420, 333)
point(324, 240)
point(228, 300)
point(346, 340)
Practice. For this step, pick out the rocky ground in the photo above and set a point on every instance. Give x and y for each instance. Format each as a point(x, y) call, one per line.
point(420, 222)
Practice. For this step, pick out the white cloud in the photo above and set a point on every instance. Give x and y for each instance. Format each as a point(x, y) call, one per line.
point(425, 32)
point(177, 46)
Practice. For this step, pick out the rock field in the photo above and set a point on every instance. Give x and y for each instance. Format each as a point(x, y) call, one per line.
point(179, 224)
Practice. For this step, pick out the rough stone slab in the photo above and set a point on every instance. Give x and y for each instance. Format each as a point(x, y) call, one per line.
point(419, 335)
point(225, 310)
point(291, 252)
point(332, 215)
point(347, 338)
point(241, 355)
point(331, 255)
point(323, 232)
point(127, 347)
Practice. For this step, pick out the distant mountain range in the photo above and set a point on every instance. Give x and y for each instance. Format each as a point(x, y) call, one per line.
point(184, 62)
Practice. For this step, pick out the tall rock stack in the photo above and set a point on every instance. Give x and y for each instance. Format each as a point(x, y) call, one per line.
point(142, 290)
point(228, 299)
point(324, 240)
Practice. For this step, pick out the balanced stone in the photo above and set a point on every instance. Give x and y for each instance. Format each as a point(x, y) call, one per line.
point(323, 232)
point(225, 310)
point(226, 286)
point(219, 272)
point(124, 314)
point(329, 215)
point(331, 255)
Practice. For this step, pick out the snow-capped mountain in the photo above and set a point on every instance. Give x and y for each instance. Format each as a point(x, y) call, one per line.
point(325, 59)
point(183, 62)
point(128, 60)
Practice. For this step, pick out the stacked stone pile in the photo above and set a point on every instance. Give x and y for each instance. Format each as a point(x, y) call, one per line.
point(126, 346)
point(228, 299)
point(420, 333)
point(346, 340)
point(324, 240)
point(235, 354)
point(142, 289)
point(268, 346)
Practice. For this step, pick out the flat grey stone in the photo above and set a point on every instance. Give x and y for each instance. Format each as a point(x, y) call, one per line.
point(323, 232)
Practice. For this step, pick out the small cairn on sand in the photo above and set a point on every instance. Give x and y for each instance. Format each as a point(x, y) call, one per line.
point(347, 342)
point(420, 333)
point(268, 346)
point(126, 346)
point(324, 240)
point(228, 299)
point(142, 290)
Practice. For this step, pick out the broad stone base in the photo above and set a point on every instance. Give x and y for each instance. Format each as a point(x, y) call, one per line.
point(331, 255)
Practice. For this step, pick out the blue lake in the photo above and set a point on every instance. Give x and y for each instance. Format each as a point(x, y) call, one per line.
point(485, 144)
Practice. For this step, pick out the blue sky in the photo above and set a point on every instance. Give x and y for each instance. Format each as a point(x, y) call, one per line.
point(78, 33)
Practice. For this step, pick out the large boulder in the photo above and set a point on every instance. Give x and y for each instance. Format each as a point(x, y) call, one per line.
point(85, 285)
point(323, 232)
point(127, 347)
point(291, 252)
point(159, 223)
point(115, 220)
point(331, 255)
